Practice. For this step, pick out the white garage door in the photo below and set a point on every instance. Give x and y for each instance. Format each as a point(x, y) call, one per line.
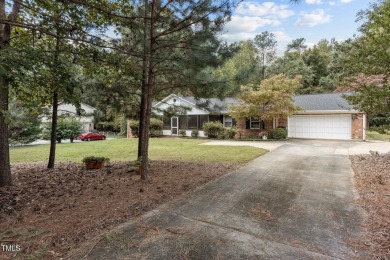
point(320, 126)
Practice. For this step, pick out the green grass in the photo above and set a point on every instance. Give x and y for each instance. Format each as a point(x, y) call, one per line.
point(371, 135)
point(126, 150)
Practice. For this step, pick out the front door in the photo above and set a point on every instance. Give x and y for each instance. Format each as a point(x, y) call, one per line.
point(174, 125)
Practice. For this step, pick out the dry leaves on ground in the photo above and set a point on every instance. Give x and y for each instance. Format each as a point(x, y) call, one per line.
point(372, 176)
point(50, 212)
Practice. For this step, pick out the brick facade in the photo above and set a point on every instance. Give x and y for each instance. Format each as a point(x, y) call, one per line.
point(252, 133)
point(357, 126)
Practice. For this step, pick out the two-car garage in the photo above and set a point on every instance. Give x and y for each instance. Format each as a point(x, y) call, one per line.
point(320, 126)
point(326, 116)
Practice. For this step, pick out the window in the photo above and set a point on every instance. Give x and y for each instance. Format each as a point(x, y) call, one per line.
point(227, 121)
point(183, 122)
point(167, 123)
point(203, 119)
point(255, 123)
point(193, 122)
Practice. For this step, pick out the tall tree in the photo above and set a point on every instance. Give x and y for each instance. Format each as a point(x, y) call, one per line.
point(272, 98)
point(369, 52)
point(297, 45)
point(241, 69)
point(175, 34)
point(367, 65)
point(266, 46)
point(5, 42)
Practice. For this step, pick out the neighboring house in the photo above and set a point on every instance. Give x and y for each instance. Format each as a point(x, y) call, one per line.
point(85, 116)
point(323, 116)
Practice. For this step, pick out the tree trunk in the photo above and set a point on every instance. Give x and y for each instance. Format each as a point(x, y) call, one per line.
point(5, 41)
point(144, 82)
point(54, 117)
point(53, 136)
point(148, 96)
point(5, 170)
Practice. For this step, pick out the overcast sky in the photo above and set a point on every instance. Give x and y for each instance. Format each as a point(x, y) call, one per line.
point(310, 19)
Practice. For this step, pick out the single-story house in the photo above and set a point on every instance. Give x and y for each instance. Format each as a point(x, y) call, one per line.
point(323, 116)
point(86, 115)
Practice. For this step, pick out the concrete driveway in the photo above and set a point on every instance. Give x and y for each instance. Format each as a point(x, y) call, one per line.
point(341, 147)
point(295, 202)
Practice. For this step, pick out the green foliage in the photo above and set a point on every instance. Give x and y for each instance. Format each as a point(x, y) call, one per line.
point(319, 65)
point(138, 162)
point(213, 129)
point(384, 129)
point(369, 52)
point(134, 126)
point(379, 120)
point(95, 159)
point(182, 133)
point(272, 98)
point(265, 43)
point(367, 64)
point(156, 127)
point(231, 132)
point(278, 133)
point(195, 133)
point(25, 124)
point(67, 128)
point(242, 69)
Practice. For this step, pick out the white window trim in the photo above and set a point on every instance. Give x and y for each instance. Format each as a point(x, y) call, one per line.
point(250, 123)
point(224, 121)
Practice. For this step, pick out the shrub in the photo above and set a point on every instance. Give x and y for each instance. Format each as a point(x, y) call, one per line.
point(138, 162)
point(380, 129)
point(156, 127)
point(182, 133)
point(231, 133)
point(67, 128)
point(278, 133)
point(195, 133)
point(213, 129)
point(96, 159)
point(134, 124)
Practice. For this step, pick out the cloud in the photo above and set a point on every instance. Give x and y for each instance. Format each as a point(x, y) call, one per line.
point(239, 24)
point(268, 10)
point(345, 1)
point(312, 2)
point(250, 16)
point(332, 3)
point(235, 37)
point(282, 36)
point(313, 18)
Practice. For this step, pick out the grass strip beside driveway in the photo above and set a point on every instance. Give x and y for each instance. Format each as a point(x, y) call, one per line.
point(126, 149)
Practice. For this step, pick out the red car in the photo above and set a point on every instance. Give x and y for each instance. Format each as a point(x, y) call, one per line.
point(92, 137)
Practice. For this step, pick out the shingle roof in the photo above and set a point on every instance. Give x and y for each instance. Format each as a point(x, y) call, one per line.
point(212, 104)
point(313, 102)
point(332, 101)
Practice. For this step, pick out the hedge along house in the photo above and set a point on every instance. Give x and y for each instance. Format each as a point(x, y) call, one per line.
point(323, 116)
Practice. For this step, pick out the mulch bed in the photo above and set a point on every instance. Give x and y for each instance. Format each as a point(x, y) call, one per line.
point(48, 213)
point(372, 176)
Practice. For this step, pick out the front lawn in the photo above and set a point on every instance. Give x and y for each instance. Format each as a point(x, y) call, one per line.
point(372, 135)
point(126, 150)
point(55, 213)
